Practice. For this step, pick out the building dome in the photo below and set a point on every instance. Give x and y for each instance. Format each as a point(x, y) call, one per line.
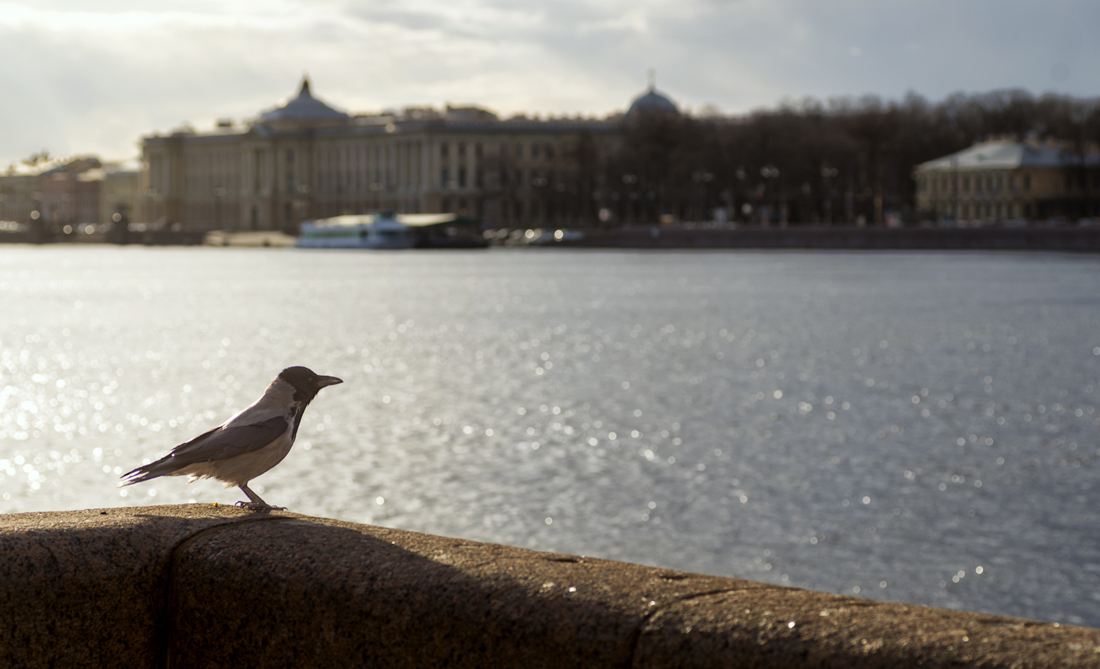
point(305, 107)
point(652, 102)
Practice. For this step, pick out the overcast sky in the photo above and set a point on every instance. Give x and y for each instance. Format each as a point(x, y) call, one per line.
point(93, 76)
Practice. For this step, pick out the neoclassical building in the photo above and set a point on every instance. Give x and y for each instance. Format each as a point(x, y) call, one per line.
point(1008, 179)
point(306, 160)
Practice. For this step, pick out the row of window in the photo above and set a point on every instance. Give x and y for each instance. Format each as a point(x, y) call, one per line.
point(977, 184)
point(362, 169)
point(516, 149)
point(988, 210)
point(459, 180)
point(352, 170)
point(999, 184)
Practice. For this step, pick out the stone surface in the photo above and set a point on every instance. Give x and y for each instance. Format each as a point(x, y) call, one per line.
point(798, 628)
point(204, 586)
point(87, 588)
point(325, 593)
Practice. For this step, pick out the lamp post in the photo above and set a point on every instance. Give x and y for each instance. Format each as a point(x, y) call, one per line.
point(827, 173)
point(218, 193)
point(768, 172)
point(539, 183)
point(701, 178)
point(629, 180)
point(746, 208)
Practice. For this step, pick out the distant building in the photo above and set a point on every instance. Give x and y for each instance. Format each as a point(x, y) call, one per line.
point(19, 195)
point(1003, 179)
point(120, 191)
point(650, 102)
point(76, 192)
point(306, 160)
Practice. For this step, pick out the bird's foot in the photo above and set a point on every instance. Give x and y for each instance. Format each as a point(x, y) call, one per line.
point(260, 506)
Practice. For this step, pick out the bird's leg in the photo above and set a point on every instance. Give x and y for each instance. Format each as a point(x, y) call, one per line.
point(255, 503)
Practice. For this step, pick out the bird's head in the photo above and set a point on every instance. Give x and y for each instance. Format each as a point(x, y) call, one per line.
point(306, 382)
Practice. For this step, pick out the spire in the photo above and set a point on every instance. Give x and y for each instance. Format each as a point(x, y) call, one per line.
point(652, 76)
point(304, 91)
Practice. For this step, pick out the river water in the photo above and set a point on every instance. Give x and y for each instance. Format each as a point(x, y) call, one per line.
point(916, 427)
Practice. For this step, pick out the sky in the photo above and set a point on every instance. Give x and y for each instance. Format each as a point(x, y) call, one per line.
point(94, 76)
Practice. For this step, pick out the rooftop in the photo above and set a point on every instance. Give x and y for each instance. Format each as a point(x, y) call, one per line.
point(1007, 155)
point(304, 107)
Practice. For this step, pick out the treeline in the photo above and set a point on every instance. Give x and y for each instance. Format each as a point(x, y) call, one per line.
point(811, 161)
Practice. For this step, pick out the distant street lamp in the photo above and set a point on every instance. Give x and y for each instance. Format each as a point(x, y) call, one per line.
point(827, 173)
point(218, 193)
point(629, 180)
point(769, 172)
point(701, 179)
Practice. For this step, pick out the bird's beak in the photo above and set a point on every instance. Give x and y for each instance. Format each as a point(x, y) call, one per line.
point(325, 381)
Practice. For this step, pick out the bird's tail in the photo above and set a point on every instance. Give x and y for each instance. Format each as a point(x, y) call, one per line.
point(146, 472)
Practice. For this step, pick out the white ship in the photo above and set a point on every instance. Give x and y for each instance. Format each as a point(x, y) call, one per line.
point(393, 231)
point(365, 231)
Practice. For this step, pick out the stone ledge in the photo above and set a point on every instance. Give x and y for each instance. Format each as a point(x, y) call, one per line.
point(206, 586)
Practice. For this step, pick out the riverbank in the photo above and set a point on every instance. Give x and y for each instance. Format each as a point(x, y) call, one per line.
point(940, 239)
point(663, 237)
point(213, 586)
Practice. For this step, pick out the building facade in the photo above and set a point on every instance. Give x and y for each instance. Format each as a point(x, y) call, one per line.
point(306, 160)
point(67, 195)
point(1005, 180)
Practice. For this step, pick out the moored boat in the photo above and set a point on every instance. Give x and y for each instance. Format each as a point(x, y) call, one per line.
point(365, 231)
point(393, 231)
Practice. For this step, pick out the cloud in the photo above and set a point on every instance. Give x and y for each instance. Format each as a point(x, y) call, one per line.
point(95, 76)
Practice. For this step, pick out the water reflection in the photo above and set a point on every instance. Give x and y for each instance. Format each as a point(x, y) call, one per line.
point(911, 427)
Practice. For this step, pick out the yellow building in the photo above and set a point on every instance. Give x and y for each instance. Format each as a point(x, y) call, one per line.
point(1006, 180)
point(306, 160)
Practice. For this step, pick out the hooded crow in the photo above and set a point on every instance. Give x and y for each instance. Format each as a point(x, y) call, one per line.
point(248, 444)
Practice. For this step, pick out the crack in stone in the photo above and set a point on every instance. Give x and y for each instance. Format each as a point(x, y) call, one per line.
point(166, 615)
point(636, 634)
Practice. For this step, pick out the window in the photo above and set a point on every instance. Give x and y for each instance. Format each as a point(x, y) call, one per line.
point(519, 150)
point(477, 151)
point(443, 150)
point(461, 149)
point(1027, 182)
point(444, 177)
point(549, 152)
point(462, 177)
point(534, 151)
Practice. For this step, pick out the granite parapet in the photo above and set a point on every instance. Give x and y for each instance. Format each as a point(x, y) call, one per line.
point(205, 586)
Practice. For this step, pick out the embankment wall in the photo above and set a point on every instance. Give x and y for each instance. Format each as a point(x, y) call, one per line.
point(204, 586)
point(798, 237)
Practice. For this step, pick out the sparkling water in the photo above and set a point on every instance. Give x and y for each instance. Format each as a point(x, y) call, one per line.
point(915, 427)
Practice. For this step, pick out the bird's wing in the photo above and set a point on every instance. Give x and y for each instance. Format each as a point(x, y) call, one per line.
point(229, 441)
